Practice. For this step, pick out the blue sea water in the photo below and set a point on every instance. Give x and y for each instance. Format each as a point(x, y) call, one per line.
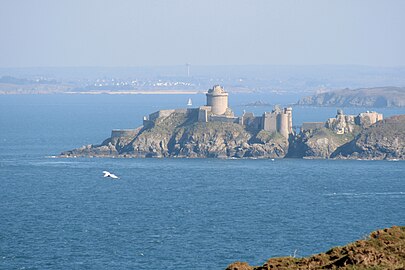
point(171, 213)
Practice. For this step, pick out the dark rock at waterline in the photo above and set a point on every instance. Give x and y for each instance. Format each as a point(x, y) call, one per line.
point(180, 135)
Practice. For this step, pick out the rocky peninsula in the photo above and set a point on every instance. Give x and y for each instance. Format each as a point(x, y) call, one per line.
point(383, 249)
point(361, 97)
point(180, 135)
point(213, 131)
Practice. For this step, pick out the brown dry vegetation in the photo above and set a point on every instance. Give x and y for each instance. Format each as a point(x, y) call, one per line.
point(384, 249)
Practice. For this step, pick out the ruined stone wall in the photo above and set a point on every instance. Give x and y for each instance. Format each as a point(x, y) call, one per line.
point(367, 119)
point(343, 124)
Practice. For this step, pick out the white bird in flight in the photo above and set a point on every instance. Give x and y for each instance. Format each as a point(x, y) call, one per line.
point(108, 174)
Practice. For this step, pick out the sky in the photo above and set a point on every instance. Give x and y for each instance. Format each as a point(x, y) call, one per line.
point(121, 33)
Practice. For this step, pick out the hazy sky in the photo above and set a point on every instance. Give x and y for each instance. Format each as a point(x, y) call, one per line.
point(201, 32)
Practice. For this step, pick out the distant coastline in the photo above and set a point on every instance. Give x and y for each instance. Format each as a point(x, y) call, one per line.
point(381, 97)
point(136, 92)
point(214, 131)
point(102, 92)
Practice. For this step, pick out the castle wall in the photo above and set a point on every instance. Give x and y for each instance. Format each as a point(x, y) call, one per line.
point(342, 124)
point(269, 122)
point(226, 119)
point(161, 113)
point(248, 119)
point(368, 118)
point(203, 112)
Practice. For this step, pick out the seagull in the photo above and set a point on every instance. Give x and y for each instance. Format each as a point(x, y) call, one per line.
point(108, 174)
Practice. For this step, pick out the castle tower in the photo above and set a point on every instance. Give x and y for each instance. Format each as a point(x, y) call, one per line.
point(282, 124)
point(217, 98)
point(288, 111)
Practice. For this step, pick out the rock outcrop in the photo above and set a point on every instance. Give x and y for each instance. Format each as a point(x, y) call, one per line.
point(319, 143)
point(384, 249)
point(180, 135)
point(384, 140)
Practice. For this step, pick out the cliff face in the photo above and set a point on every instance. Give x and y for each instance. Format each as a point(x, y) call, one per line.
point(320, 143)
point(384, 249)
point(363, 97)
point(384, 140)
point(180, 135)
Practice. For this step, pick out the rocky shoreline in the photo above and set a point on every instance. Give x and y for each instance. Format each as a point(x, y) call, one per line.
point(383, 249)
point(179, 135)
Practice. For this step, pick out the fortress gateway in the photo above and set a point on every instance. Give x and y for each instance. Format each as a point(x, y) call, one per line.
point(217, 110)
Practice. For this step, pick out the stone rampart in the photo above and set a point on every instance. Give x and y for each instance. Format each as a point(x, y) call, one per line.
point(226, 119)
point(161, 113)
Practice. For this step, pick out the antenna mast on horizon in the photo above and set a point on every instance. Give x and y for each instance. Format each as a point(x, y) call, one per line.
point(188, 69)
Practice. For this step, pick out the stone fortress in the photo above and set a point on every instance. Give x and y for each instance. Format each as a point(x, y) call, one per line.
point(278, 120)
point(214, 131)
point(217, 110)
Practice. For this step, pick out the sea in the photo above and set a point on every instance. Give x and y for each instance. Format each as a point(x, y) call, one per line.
point(173, 213)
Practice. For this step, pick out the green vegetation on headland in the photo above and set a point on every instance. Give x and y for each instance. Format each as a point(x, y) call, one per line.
point(180, 135)
point(383, 249)
point(362, 97)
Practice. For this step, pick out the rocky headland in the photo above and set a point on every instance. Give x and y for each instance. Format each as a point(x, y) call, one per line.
point(383, 249)
point(361, 97)
point(213, 131)
point(180, 135)
point(383, 140)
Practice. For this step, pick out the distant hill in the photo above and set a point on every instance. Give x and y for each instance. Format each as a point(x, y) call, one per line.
point(361, 97)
